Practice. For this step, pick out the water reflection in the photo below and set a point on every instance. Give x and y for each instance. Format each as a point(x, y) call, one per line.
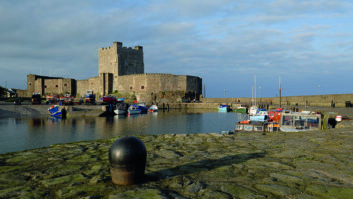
point(24, 133)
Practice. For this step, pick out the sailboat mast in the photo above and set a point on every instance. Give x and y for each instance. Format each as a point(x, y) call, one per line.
point(255, 88)
point(280, 93)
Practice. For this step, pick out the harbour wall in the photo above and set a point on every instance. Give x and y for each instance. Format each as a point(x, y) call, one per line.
point(339, 100)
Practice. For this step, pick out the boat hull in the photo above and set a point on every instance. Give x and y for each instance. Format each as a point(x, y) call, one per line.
point(134, 112)
point(240, 110)
point(119, 112)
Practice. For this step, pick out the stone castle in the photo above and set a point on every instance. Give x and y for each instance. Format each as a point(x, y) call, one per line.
point(120, 69)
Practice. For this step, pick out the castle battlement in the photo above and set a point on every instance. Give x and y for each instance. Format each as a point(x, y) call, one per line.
point(119, 45)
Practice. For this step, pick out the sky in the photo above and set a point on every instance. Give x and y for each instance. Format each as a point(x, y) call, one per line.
point(307, 44)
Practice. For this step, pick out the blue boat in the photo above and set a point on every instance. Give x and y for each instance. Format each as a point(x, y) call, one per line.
point(142, 107)
point(133, 110)
point(223, 108)
point(55, 112)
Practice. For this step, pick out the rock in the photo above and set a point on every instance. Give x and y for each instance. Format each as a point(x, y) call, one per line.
point(140, 194)
point(287, 178)
point(278, 165)
point(237, 191)
point(63, 179)
point(330, 191)
point(277, 190)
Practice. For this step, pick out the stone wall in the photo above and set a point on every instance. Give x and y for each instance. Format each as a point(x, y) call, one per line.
point(91, 84)
point(148, 87)
point(30, 84)
point(49, 85)
point(308, 100)
point(316, 100)
point(21, 93)
point(59, 86)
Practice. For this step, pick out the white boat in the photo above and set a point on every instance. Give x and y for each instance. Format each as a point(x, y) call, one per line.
point(153, 108)
point(133, 110)
point(253, 110)
point(119, 111)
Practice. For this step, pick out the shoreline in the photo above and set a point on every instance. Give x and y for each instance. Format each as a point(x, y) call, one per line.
point(243, 165)
point(27, 109)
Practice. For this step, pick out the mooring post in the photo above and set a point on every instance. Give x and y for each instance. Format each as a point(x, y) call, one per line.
point(127, 158)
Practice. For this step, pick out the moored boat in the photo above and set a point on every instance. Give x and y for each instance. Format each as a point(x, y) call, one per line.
point(153, 108)
point(253, 110)
point(142, 106)
point(223, 108)
point(300, 121)
point(133, 110)
point(109, 100)
point(240, 110)
point(119, 112)
point(56, 112)
point(121, 108)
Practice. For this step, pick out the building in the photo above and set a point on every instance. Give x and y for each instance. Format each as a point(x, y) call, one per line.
point(121, 69)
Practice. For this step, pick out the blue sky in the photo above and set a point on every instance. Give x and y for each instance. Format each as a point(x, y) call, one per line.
point(308, 44)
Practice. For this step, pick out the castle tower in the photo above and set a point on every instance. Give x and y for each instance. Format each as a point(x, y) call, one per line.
point(118, 61)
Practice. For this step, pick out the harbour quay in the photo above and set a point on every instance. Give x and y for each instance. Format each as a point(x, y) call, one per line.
point(313, 164)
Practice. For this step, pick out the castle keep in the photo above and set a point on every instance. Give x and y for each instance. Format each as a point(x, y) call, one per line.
point(119, 69)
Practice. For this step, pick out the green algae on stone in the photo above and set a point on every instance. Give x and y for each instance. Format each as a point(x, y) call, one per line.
point(210, 194)
point(63, 179)
point(62, 170)
point(14, 191)
point(97, 191)
point(139, 194)
point(237, 191)
point(330, 191)
point(12, 179)
point(286, 178)
point(24, 158)
point(6, 169)
point(83, 158)
point(276, 189)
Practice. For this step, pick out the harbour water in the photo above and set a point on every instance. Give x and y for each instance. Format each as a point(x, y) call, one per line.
point(17, 134)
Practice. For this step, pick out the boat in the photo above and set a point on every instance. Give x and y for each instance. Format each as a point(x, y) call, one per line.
point(240, 109)
point(133, 110)
point(142, 107)
point(55, 112)
point(257, 122)
point(261, 115)
point(223, 108)
point(253, 110)
point(120, 109)
point(109, 100)
point(251, 126)
point(300, 121)
point(90, 98)
point(121, 99)
point(153, 108)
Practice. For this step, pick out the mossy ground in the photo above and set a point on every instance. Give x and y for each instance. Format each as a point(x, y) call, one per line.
point(314, 164)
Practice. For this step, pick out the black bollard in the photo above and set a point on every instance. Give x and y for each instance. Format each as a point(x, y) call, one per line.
point(127, 158)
